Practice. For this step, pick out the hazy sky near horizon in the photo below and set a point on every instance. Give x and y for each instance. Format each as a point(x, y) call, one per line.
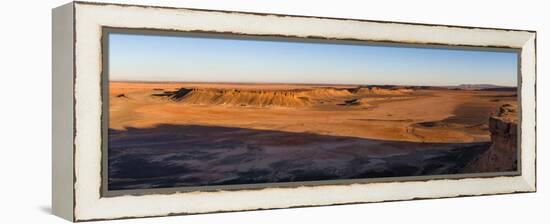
point(135, 57)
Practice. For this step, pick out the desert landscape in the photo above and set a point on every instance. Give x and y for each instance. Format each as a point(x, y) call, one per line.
point(178, 134)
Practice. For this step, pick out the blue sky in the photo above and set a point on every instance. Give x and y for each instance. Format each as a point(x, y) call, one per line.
point(194, 59)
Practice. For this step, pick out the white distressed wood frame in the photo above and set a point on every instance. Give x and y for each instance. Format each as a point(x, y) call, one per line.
point(81, 141)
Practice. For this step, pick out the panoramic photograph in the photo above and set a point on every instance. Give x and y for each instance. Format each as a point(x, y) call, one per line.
point(195, 111)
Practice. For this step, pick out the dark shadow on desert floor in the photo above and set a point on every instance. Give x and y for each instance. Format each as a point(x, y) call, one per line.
point(191, 155)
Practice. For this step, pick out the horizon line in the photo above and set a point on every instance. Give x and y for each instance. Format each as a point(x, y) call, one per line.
point(298, 83)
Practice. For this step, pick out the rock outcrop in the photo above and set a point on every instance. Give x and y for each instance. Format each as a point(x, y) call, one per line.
point(502, 155)
point(259, 98)
point(381, 91)
point(256, 98)
point(276, 98)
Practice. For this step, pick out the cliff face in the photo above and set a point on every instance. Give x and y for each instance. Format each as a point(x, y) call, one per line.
point(502, 155)
point(259, 98)
point(267, 98)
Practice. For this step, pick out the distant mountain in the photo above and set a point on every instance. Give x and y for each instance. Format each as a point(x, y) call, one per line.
point(483, 87)
point(477, 86)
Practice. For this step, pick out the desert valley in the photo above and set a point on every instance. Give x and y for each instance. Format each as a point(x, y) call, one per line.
point(170, 134)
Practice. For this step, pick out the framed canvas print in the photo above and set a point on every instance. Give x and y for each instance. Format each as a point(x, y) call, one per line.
point(165, 111)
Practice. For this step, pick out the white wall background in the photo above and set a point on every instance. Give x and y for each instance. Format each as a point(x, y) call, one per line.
point(25, 112)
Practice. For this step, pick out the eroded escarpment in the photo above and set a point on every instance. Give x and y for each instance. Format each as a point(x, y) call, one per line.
point(281, 98)
point(236, 97)
point(502, 155)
